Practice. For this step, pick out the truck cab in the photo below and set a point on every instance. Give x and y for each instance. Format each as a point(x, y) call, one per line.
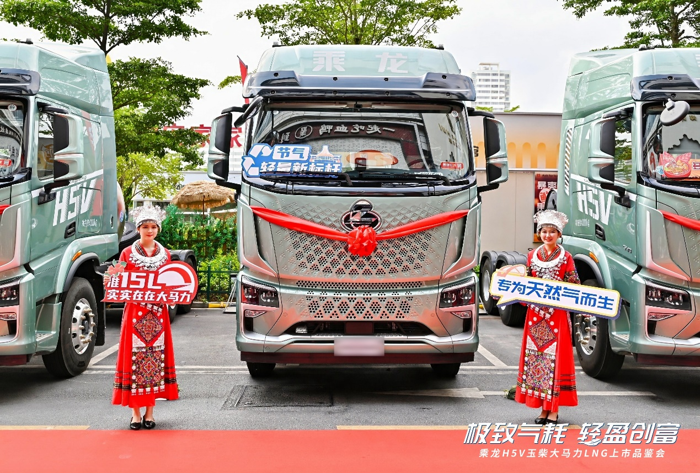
point(629, 180)
point(383, 141)
point(58, 203)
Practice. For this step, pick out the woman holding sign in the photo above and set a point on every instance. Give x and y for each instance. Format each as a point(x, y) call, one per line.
point(546, 378)
point(146, 362)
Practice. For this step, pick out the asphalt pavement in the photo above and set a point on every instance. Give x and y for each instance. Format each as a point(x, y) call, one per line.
point(216, 391)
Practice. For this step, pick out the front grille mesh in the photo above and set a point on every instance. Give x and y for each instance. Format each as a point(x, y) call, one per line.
point(358, 305)
point(366, 286)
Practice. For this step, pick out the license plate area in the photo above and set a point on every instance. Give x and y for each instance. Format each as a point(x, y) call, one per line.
point(358, 346)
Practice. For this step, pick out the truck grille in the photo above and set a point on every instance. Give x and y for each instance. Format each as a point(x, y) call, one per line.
point(378, 328)
point(366, 286)
point(358, 305)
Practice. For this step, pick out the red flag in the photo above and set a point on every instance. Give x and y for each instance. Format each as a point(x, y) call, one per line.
point(244, 72)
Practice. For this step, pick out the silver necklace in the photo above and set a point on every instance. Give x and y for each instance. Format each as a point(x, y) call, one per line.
point(149, 263)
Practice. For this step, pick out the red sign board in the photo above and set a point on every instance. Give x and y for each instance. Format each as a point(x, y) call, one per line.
point(236, 134)
point(174, 283)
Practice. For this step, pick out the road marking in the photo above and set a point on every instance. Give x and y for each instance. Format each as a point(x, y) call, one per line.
point(475, 393)
point(97, 358)
point(490, 356)
point(44, 427)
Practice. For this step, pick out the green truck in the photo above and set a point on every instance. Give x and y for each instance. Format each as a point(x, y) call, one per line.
point(59, 211)
point(629, 180)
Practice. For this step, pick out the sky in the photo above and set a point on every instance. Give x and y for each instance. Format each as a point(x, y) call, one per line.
point(534, 39)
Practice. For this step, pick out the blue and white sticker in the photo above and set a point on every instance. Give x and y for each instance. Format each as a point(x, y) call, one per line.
point(289, 158)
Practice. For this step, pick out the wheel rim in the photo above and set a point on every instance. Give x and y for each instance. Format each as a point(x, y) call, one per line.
point(82, 326)
point(586, 332)
point(486, 286)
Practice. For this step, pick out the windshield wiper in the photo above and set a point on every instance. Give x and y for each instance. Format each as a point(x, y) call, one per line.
point(404, 177)
point(305, 175)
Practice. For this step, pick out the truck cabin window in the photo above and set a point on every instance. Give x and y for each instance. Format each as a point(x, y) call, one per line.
point(672, 153)
point(11, 136)
point(374, 141)
point(45, 150)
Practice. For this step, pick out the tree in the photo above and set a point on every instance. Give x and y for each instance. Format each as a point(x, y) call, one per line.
point(674, 23)
point(147, 97)
point(140, 173)
point(399, 22)
point(107, 23)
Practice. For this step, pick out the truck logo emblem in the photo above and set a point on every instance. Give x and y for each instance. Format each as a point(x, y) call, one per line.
point(360, 214)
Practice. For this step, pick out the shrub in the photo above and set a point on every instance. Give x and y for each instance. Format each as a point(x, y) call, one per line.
point(214, 276)
point(208, 237)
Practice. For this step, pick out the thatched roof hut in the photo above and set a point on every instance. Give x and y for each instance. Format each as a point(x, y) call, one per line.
point(200, 195)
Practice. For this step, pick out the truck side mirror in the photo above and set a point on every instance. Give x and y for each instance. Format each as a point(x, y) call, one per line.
point(601, 159)
point(496, 149)
point(219, 147)
point(69, 159)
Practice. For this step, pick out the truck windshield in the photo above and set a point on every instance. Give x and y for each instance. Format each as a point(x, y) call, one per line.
point(11, 134)
point(672, 153)
point(402, 144)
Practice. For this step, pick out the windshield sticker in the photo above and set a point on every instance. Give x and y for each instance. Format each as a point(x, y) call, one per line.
point(678, 167)
point(263, 159)
point(451, 165)
point(305, 132)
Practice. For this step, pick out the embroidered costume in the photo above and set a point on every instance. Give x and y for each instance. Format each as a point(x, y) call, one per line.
point(146, 361)
point(546, 377)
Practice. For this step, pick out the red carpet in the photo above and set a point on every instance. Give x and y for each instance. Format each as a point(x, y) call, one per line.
point(313, 451)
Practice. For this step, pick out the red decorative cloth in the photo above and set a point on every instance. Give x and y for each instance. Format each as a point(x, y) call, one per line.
point(362, 241)
point(146, 360)
point(546, 376)
point(682, 221)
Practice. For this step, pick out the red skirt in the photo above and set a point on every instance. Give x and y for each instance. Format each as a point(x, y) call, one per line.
point(546, 378)
point(146, 361)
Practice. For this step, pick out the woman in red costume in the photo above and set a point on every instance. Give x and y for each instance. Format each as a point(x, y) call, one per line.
point(546, 378)
point(146, 362)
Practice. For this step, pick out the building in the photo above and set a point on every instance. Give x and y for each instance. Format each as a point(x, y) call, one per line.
point(492, 86)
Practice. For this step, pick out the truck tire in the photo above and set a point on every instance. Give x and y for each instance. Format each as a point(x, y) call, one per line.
point(512, 315)
point(486, 270)
point(184, 309)
point(77, 337)
point(260, 370)
point(446, 370)
point(592, 342)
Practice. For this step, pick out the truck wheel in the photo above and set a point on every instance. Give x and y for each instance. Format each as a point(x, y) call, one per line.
point(77, 337)
point(446, 370)
point(513, 315)
point(184, 309)
point(593, 344)
point(260, 370)
point(486, 270)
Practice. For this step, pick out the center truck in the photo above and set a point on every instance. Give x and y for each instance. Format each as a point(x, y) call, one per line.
point(629, 181)
point(396, 119)
point(59, 217)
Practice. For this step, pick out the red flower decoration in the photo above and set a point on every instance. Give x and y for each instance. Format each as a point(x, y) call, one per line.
point(362, 241)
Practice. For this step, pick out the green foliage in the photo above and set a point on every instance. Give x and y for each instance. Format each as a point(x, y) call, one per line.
point(512, 109)
point(214, 276)
point(485, 109)
point(672, 23)
point(230, 80)
point(151, 176)
point(399, 22)
point(108, 23)
point(208, 237)
point(148, 96)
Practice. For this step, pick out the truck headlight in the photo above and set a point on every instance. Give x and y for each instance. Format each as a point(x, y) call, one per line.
point(660, 296)
point(258, 294)
point(458, 296)
point(9, 292)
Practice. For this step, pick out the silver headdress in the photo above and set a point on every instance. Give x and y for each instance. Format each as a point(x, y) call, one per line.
point(141, 215)
point(551, 218)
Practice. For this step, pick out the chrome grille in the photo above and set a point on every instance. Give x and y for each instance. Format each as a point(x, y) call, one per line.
point(418, 255)
point(367, 286)
point(359, 305)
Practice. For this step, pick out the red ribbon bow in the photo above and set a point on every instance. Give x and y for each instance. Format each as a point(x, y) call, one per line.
point(362, 241)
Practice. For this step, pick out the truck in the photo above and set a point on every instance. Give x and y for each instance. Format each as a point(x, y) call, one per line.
point(357, 141)
point(629, 179)
point(59, 217)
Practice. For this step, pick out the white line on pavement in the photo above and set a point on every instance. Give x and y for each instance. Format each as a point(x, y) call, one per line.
point(490, 356)
point(97, 358)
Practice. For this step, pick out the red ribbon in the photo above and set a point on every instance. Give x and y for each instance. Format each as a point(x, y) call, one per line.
point(362, 241)
point(682, 221)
